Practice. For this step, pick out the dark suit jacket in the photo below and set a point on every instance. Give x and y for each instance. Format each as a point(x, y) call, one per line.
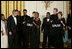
point(27, 19)
point(57, 28)
point(46, 25)
point(12, 27)
point(19, 25)
point(54, 17)
point(69, 20)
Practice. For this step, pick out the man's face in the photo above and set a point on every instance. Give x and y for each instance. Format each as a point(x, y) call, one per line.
point(25, 12)
point(15, 14)
point(47, 15)
point(19, 13)
point(54, 11)
point(3, 18)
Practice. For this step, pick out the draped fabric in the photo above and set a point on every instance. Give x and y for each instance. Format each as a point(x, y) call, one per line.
point(68, 6)
point(4, 38)
point(8, 6)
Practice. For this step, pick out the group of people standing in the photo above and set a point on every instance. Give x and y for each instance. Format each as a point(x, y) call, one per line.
point(24, 31)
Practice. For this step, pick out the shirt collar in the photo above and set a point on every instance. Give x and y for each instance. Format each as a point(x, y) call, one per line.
point(13, 16)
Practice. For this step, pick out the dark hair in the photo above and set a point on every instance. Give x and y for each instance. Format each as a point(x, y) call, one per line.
point(19, 13)
point(56, 9)
point(60, 13)
point(48, 13)
point(37, 13)
point(24, 10)
point(14, 11)
point(33, 12)
point(2, 15)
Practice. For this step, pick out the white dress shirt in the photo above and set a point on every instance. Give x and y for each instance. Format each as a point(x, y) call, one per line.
point(48, 19)
point(15, 19)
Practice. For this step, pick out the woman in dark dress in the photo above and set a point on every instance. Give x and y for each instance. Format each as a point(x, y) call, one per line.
point(46, 29)
point(37, 23)
point(56, 34)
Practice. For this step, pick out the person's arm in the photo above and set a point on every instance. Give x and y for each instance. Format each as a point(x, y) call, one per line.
point(38, 24)
point(9, 26)
point(34, 23)
point(68, 22)
point(63, 22)
point(2, 29)
point(22, 20)
point(43, 25)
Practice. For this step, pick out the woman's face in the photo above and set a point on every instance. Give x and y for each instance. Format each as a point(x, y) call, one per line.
point(36, 15)
point(59, 16)
point(33, 14)
point(3, 18)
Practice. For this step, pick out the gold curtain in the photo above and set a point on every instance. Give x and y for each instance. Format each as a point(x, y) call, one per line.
point(68, 6)
point(8, 6)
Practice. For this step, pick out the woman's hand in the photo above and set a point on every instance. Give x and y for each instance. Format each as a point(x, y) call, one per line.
point(2, 32)
point(62, 23)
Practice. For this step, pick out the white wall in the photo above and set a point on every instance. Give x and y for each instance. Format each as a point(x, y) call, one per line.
point(39, 7)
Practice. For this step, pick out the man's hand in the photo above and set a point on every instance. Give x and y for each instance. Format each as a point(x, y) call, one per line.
point(62, 23)
point(10, 33)
point(69, 28)
point(24, 22)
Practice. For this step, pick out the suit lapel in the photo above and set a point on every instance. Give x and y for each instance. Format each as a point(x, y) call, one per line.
point(13, 20)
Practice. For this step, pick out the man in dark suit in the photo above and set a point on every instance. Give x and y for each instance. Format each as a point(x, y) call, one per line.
point(69, 28)
point(54, 15)
point(12, 29)
point(20, 28)
point(46, 28)
point(27, 28)
point(69, 24)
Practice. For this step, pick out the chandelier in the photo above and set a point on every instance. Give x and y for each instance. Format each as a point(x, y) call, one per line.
point(47, 4)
